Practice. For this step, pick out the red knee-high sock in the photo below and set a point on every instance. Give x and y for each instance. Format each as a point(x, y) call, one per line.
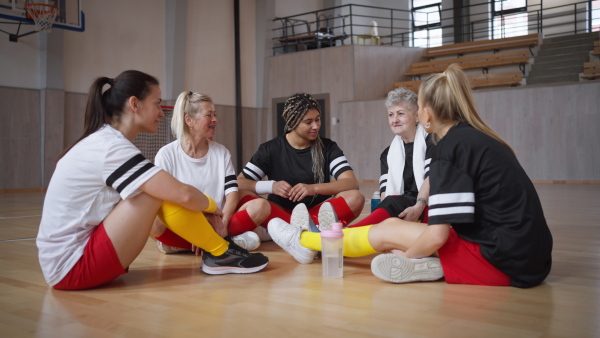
point(378, 215)
point(170, 238)
point(342, 210)
point(276, 213)
point(240, 222)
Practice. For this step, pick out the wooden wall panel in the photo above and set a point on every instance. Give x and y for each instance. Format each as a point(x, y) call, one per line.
point(74, 116)
point(53, 130)
point(20, 154)
point(363, 133)
point(553, 130)
point(226, 132)
point(377, 68)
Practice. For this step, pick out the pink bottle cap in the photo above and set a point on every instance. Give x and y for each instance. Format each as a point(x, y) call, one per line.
point(334, 232)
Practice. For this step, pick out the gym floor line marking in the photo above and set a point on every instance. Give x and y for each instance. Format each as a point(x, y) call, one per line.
point(20, 217)
point(18, 239)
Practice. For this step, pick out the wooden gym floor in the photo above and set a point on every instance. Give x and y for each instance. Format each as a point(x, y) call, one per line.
point(168, 295)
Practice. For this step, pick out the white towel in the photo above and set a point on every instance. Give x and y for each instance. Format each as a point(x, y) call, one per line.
point(396, 159)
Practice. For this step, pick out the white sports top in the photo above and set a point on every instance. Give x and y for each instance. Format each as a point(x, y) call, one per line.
point(97, 173)
point(212, 174)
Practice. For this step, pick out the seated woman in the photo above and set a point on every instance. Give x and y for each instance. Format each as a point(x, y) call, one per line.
point(298, 166)
point(486, 223)
point(193, 158)
point(104, 196)
point(403, 184)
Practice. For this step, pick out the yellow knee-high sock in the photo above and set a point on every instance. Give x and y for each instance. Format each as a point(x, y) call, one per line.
point(193, 227)
point(356, 241)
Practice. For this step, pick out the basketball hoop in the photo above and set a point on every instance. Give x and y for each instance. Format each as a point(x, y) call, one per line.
point(42, 15)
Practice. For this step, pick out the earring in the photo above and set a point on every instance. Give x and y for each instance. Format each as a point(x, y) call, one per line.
point(427, 125)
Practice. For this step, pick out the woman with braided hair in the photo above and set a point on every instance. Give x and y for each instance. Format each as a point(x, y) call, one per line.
point(299, 166)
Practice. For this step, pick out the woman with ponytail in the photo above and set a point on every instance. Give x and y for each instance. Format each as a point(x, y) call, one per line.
point(104, 195)
point(299, 165)
point(486, 223)
point(195, 159)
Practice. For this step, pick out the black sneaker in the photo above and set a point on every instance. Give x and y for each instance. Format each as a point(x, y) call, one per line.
point(234, 260)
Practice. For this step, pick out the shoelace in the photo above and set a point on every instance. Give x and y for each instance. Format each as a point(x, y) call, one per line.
point(290, 233)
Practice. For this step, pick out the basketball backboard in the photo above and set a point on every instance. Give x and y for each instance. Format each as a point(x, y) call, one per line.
point(70, 16)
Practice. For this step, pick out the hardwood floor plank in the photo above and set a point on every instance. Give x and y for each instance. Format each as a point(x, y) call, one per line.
point(168, 295)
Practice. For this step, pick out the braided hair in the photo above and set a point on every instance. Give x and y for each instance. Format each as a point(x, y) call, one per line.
point(294, 110)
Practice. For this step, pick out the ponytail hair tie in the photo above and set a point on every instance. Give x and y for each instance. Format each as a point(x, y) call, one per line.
point(111, 81)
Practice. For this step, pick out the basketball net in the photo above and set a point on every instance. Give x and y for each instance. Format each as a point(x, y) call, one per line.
point(42, 15)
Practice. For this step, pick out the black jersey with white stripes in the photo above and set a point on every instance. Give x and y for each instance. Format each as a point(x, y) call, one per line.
point(410, 185)
point(478, 186)
point(279, 161)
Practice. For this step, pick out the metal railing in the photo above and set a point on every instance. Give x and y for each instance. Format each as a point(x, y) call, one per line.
point(346, 24)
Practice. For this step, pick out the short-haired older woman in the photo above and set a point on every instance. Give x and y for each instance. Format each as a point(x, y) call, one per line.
point(403, 183)
point(206, 165)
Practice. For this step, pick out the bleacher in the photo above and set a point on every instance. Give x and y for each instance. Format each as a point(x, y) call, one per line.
point(508, 58)
point(591, 70)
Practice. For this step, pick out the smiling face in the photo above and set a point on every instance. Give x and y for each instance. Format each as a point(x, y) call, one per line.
point(150, 111)
point(403, 121)
point(309, 126)
point(204, 124)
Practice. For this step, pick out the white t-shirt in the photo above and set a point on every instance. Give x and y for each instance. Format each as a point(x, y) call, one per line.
point(86, 185)
point(212, 174)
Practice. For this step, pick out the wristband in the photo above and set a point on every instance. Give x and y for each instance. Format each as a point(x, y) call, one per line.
point(264, 187)
point(212, 205)
point(422, 200)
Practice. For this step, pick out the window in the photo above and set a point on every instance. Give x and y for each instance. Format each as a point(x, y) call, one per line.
point(509, 18)
point(595, 15)
point(427, 23)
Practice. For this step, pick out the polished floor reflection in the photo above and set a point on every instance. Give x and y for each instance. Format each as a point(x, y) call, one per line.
point(168, 295)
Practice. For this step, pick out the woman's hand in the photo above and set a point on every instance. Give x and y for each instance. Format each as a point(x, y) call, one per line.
point(412, 214)
point(301, 190)
point(282, 188)
point(216, 220)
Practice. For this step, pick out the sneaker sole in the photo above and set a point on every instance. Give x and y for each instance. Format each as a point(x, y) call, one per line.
point(244, 244)
point(397, 269)
point(300, 217)
point(223, 270)
point(326, 216)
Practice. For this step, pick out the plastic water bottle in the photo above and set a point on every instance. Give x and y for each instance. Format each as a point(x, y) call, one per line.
point(375, 199)
point(332, 248)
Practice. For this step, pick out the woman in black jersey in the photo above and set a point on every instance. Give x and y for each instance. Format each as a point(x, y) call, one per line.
point(404, 182)
point(299, 166)
point(486, 223)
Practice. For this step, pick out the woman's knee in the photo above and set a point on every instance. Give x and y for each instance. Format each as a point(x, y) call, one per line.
point(258, 209)
point(354, 198)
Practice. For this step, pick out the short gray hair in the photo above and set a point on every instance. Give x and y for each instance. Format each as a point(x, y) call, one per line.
point(404, 96)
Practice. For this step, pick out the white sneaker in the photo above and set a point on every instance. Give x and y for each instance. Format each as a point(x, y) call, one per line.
point(398, 269)
point(263, 233)
point(287, 237)
point(326, 216)
point(167, 249)
point(249, 240)
point(300, 217)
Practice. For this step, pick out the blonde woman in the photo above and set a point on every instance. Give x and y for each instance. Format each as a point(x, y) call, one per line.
point(195, 159)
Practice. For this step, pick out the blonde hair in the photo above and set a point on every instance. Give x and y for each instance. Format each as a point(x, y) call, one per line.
point(449, 96)
point(188, 103)
point(294, 110)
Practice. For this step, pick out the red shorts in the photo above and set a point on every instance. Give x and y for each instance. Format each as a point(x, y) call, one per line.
point(98, 265)
point(463, 264)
